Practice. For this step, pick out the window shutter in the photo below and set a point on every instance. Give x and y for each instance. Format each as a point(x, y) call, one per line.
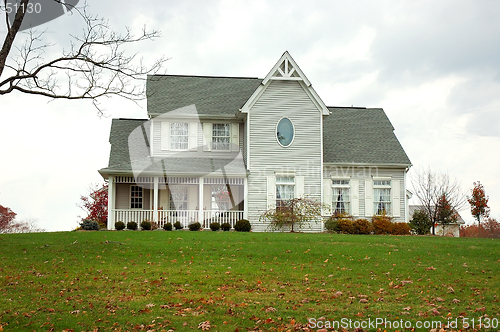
point(235, 137)
point(396, 198)
point(355, 197)
point(165, 135)
point(207, 136)
point(193, 136)
point(327, 195)
point(299, 186)
point(368, 198)
point(271, 192)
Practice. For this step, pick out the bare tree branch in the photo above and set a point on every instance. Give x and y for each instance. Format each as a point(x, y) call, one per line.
point(95, 66)
point(429, 187)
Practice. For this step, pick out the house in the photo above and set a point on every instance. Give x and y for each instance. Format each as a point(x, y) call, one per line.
point(452, 229)
point(226, 148)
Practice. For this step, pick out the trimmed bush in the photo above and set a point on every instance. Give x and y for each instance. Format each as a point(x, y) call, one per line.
point(345, 226)
point(132, 225)
point(215, 226)
point(146, 225)
point(400, 228)
point(177, 225)
point(119, 225)
point(332, 224)
point(89, 225)
point(194, 227)
point(154, 226)
point(242, 225)
point(225, 226)
point(362, 226)
point(381, 225)
point(167, 226)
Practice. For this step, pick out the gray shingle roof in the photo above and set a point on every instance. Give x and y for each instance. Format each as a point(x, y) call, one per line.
point(361, 136)
point(118, 137)
point(211, 95)
point(350, 135)
point(181, 166)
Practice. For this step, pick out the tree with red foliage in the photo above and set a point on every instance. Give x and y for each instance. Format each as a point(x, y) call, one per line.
point(445, 213)
point(479, 202)
point(6, 218)
point(96, 204)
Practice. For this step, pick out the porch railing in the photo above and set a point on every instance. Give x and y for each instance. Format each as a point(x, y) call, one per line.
point(185, 217)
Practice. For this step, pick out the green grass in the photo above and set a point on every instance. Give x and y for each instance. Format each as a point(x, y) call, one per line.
point(159, 280)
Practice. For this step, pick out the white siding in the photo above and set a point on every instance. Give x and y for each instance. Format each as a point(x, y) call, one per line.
point(303, 156)
point(360, 176)
point(160, 141)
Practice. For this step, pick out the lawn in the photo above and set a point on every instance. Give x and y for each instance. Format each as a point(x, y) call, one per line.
point(228, 281)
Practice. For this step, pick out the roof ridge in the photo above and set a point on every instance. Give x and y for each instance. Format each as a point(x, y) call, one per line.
point(205, 76)
point(353, 107)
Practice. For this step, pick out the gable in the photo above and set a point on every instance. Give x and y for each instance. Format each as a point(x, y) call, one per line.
point(286, 69)
point(361, 136)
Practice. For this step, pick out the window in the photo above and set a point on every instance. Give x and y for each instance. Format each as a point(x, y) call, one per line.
point(284, 132)
point(341, 196)
point(285, 189)
point(179, 136)
point(135, 197)
point(382, 196)
point(178, 197)
point(221, 200)
point(221, 136)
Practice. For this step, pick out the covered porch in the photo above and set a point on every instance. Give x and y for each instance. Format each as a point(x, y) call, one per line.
point(164, 199)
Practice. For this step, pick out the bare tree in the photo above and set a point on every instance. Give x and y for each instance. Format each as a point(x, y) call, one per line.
point(429, 187)
point(94, 66)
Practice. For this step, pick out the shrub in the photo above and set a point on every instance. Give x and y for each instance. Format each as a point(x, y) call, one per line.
point(293, 212)
point(362, 226)
point(215, 226)
point(225, 226)
point(195, 226)
point(489, 228)
point(146, 225)
point(381, 225)
point(119, 225)
point(242, 225)
point(177, 225)
point(400, 228)
point(420, 222)
point(345, 226)
point(332, 224)
point(167, 226)
point(154, 226)
point(89, 225)
point(132, 225)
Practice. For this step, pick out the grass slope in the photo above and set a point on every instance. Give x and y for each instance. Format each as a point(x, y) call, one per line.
point(158, 281)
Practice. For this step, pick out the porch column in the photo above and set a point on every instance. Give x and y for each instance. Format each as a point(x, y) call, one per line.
point(200, 200)
point(155, 199)
point(245, 198)
point(111, 202)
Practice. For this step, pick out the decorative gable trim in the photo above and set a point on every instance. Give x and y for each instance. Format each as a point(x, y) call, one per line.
point(286, 69)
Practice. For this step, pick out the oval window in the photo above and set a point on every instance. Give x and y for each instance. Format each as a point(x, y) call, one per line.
point(284, 132)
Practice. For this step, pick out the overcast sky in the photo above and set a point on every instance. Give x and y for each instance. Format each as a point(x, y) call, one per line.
point(434, 66)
